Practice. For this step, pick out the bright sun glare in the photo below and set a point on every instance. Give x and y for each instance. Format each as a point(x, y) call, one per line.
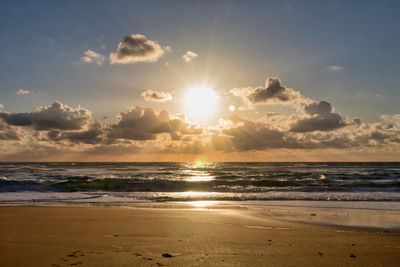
point(201, 102)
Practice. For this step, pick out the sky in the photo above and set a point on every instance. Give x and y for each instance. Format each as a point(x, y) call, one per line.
point(216, 80)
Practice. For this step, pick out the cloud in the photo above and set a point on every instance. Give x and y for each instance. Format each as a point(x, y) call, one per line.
point(254, 136)
point(320, 118)
point(144, 124)
point(393, 119)
point(58, 129)
point(313, 116)
point(93, 135)
point(137, 48)
point(245, 135)
point(273, 92)
point(7, 133)
point(91, 56)
point(55, 116)
point(335, 68)
point(189, 56)
point(1, 106)
point(22, 92)
point(155, 96)
point(321, 108)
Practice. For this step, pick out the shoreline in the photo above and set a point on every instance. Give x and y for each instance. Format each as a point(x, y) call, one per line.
point(369, 215)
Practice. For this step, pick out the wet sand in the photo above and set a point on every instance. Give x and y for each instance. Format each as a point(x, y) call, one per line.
point(121, 236)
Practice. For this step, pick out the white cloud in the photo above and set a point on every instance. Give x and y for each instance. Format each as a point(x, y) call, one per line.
point(189, 56)
point(92, 57)
point(335, 68)
point(22, 92)
point(150, 95)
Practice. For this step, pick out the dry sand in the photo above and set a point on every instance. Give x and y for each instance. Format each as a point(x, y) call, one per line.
point(117, 236)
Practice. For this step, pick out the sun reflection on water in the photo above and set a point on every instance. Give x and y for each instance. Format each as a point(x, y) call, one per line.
point(196, 194)
point(199, 203)
point(202, 203)
point(199, 177)
point(197, 172)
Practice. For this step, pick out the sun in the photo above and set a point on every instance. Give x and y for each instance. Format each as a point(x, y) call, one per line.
point(200, 102)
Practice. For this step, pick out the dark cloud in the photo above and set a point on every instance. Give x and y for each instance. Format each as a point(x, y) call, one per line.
point(6, 132)
point(58, 128)
point(240, 134)
point(57, 116)
point(321, 118)
point(136, 48)
point(273, 92)
point(144, 124)
point(91, 136)
point(9, 134)
point(140, 124)
point(321, 108)
point(150, 95)
point(255, 136)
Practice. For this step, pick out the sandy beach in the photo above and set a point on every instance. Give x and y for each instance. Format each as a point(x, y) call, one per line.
point(126, 236)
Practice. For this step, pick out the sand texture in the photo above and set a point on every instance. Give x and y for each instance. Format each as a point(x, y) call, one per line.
point(117, 236)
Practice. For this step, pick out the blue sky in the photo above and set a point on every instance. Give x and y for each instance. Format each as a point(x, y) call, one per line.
point(294, 40)
point(342, 52)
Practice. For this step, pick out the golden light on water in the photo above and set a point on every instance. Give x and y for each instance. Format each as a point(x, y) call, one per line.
point(202, 204)
point(199, 177)
point(200, 102)
point(199, 203)
point(195, 194)
point(201, 161)
point(196, 171)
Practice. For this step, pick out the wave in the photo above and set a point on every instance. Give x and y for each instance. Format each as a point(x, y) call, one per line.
point(236, 178)
point(130, 197)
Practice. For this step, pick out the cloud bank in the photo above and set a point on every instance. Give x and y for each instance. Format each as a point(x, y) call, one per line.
point(314, 125)
point(56, 116)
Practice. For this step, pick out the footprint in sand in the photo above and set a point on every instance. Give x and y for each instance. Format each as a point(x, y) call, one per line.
point(75, 254)
point(111, 236)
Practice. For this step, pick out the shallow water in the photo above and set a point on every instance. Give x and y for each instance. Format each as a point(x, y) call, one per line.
point(129, 182)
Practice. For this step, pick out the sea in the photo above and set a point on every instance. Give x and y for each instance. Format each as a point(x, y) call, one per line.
point(108, 182)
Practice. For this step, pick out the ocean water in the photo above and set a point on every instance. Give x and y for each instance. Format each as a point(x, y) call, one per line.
point(164, 182)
